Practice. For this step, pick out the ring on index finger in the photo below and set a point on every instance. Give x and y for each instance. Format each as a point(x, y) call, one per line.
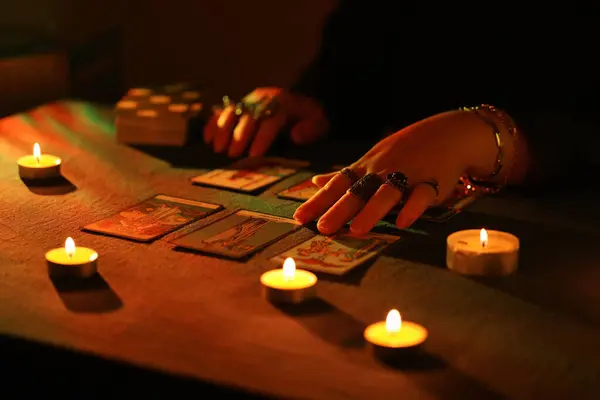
point(351, 175)
point(366, 187)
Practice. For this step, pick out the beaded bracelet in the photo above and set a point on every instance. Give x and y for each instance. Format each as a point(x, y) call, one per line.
point(487, 184)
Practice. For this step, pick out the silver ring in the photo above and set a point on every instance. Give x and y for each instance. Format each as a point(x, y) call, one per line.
point(397, 180)
point(351, 175)
point(366, 187)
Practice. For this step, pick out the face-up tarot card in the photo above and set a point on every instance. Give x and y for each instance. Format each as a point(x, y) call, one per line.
point(336, 254)
point(304, 190)
point(300, 192)
point(249, 176)
point(153, 218)
point(238, 235)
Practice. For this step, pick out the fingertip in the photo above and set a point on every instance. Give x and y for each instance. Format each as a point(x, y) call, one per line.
point(219, 146)
point(315, 179)
point(233, 152)
point(404, 221)
point(300, 216)
point(358, 230)
point(322, 180)
point(255, 152)
point(325, 228)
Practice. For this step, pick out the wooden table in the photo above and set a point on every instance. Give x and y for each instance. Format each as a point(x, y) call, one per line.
point(158, 319)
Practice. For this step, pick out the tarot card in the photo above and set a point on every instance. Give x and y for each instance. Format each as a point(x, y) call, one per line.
point(336, 254)
point(238, 235)
point(153, 218)
point(249, 176)
point(304, 190)
point(449, 208)
point(301, 191)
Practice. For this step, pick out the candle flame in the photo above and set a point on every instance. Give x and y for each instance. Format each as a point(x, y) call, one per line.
point(393, 322)
point(37, 152)
point(70, 246)
point(483, 237)
point(289, 269)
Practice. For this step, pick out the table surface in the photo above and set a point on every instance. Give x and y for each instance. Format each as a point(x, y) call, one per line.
point(531, 335)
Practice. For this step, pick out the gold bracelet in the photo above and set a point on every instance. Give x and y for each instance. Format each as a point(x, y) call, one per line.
point(487, 184)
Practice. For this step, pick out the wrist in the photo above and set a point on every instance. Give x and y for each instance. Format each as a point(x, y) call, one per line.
point(494, 145)
point(474, 141)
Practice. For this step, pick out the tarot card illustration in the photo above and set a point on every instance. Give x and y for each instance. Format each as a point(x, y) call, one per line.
point(336, 254)
point(238, 235)
point(300, 192)
point(153, 218)
point(245, 180)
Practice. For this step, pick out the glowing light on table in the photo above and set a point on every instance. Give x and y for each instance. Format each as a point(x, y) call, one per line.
point(72, 261)
point(38, 165)
point(393, 321)
point(482, 252)
point(483, 237)
point(288, 284)
point(393, 333)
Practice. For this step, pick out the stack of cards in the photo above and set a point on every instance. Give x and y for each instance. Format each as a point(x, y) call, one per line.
point(336, 254)
point(238, 235)
point(250, 175)
point(153, 218)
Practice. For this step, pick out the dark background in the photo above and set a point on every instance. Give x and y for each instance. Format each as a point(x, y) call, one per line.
point(153, 41)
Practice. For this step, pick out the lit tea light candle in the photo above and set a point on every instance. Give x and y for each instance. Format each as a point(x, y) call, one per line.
point(38, 165)
point(72, 261)
point(393, 337)
point(288, 284)
point(482, 252)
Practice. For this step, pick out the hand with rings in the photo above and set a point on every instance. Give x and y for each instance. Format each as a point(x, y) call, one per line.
point(253, 124)
point(419, 164)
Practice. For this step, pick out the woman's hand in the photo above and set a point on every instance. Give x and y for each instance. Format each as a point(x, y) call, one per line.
point(432, 154)
point(236, 134)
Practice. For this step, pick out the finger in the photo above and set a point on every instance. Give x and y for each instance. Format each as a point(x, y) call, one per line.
point(225, 124)
point(321, 180)
point(211, 127)
point(340, 213)
point(422, 196)
point(376, 208)
point(323, 199)
point(242, 134)
point(267, 131)
point(308, 131)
